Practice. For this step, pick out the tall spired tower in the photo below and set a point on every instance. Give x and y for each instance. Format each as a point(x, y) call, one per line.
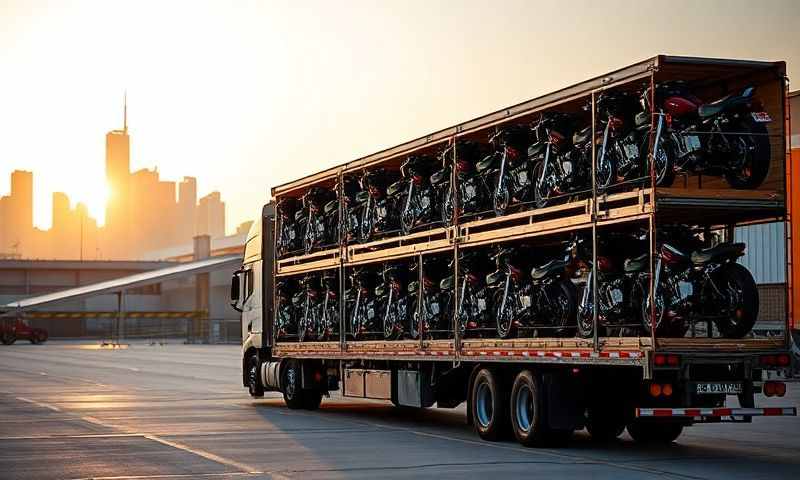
point(118, 172)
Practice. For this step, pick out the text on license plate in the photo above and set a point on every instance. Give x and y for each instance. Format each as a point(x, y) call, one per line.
point(761, 117)
point(718, 387)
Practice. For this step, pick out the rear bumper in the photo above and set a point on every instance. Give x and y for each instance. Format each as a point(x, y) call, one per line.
point(700, 413)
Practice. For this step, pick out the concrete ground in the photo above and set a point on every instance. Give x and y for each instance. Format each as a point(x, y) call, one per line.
point(150, 412)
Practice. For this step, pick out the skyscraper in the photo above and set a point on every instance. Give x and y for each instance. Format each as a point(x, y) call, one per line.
point(118, 172)
point(187, 207)
point(17, 215)
point(211, 216)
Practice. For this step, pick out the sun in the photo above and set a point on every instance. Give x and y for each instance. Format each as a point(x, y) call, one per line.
point(94, 196)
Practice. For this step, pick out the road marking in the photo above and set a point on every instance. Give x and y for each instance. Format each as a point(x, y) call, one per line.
point(39, 404)
point(202, 453)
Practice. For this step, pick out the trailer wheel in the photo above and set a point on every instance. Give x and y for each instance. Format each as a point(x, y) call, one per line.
point(527, 410)
point(604, 424)
point(290, 385)
point(312, 399)
point(8, 338)
point(254, 378)
point(654, 432)
point(489, 402)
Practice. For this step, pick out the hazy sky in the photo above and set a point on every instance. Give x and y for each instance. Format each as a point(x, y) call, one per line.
point(247, 95)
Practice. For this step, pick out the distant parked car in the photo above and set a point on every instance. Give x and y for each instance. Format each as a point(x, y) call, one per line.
point(10, 332)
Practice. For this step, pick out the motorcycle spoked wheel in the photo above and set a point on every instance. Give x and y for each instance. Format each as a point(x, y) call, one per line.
point(606, 173)
point(414, 320)
point(737, 284)
point(541, 191)
point(392, 329)
point(330, 325)
point(448, 207)
point(501, 199)
point(505, 319)
point(751, 156)
point(407, 221)
point(664, 162)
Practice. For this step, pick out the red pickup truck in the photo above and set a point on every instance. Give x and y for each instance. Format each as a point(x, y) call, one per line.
point(10, 332)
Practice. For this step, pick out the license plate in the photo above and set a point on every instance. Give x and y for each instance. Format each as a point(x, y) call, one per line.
point(718, 387)
point(761, 117)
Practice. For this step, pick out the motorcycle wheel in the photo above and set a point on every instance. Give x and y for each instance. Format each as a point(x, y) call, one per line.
point(505, 320)
point(664, 163)
point(391, 330)
point(541, 192)
point(606, 173)
point(414, 320)
point(742, 296)
point(585, 322)
point(565, 307)
point(407, 221)
point(448, 207)
point(751, 154)
point(501, 200)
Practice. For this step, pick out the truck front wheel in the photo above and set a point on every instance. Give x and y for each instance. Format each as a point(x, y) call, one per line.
point(290, 386)
point(254, 377)
point(654, 432)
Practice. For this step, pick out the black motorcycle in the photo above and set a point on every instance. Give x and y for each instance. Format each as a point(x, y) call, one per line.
point(392, 298)
point(284, 308)
point(427, 302)
point(621, 264)
point(704, 285)
point(361, 303)
point(623, 152)
point(725, 137)
point(328, 326)
point(545, 300)
point(440, 184)
point(475, 174)
point(308, 307)
point(289, 235)
point(514, 178)
point(379, 216)
point(474, 309)
point(413, 194)
point(353, 203)
point(559, 169)
point(316, 232)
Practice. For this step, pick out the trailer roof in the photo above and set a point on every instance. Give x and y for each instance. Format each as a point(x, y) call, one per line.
point(626, 74)
point(122, 283)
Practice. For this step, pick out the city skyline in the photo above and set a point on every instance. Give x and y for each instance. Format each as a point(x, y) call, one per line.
point(142, 213)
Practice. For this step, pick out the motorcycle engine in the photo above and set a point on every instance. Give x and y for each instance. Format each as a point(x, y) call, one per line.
point(627, 151)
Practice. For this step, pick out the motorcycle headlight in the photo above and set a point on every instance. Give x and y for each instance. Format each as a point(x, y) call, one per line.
point(566, 165)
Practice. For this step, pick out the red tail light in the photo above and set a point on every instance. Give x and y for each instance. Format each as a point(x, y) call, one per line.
point(661, 359)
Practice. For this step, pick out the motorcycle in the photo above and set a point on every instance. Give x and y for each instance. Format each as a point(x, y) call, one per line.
point(621, 283)
point(515, 173)
point(473, 311)
point(378, 215)
point(704, 285)
point(440, 184)
point(547, 299)
point(353, 202)
point(623, 151)
point(558, 168)
point(475, 182)
point(725, 137)
point(284, 308)
point(361, 302)
point(308, 307)
point(288, 238)
point(428, 307)
point(328, 326)
point(413, 195)
point(394, 302)
point(316, 233)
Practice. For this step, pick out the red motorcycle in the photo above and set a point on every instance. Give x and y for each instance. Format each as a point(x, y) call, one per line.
point(725, 137)
point(19, 330)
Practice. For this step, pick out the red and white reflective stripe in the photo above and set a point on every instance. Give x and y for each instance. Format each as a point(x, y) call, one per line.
point(552, 353)
point(716, 412)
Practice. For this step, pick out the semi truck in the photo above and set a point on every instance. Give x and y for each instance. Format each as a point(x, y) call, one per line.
point(608, 359)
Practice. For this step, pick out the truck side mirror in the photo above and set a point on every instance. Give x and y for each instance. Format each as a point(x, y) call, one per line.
point(235, 287)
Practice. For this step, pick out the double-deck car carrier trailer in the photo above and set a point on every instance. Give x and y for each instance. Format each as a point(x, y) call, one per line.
point(540, 379)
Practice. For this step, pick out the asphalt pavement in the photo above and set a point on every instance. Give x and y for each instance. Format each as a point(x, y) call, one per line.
point(77, 411)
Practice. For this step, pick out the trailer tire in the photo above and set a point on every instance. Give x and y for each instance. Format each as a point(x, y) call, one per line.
point(311, 399)
point(290, 385)
point(254, 385)
point(604, 425)
point(654, 432)
point(528, 416)
point(8, 338)
point(489, 404)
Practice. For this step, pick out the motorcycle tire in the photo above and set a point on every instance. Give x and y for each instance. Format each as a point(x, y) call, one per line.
point(541, 198)
point(735, 276)
point(510, 330)
point(501, 199)
point(567, 293)
point(448, 207)
point(390, 329)
point(665, 164)
point(407, 221)
point(760, 160)
point(605, 178)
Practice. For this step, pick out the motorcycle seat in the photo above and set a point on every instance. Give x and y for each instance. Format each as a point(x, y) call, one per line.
point(440, 176)
point(447, 283)
point(331, 206)
point(582, 136)
point(549, 268)
point(723, 250)
point(495, 277)
point(713, 108)
point(485, 164)
point(642, 119)
point(299, 215)
point(636, 264)
point(536, 149)
point(362, 196)
point(395, 188)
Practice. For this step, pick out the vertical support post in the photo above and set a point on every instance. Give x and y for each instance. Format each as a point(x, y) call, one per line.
point(202, 250)
point(788, 224)
point(593, 286)
point(456, 268)
point(342, 257)
point(115, 329)
point(654, 135)
point(420, 293)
